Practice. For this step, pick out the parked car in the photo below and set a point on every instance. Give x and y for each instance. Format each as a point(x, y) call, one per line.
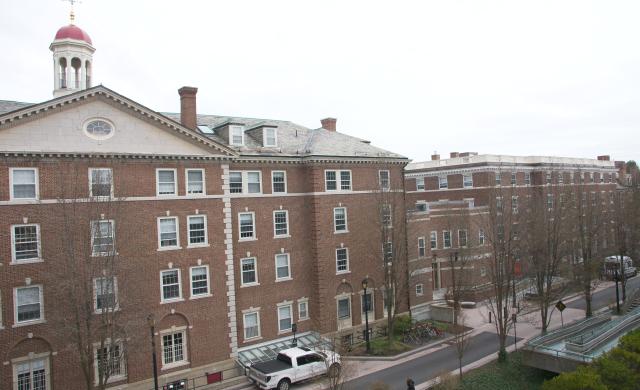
point(293, 365)
point(612, 263)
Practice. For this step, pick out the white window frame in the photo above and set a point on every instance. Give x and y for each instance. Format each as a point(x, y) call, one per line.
point(443, 182)
point(232, 128)
point(527, 178)
point(200, 295)
point(284, 175)
point(338, 173)
point(175, 299)
point(343, 321)
point(481, 237)
point(483, 271)
point(444, 239)
point(420, 287)
point(116, 305)
point(284, 306)
point(514, 178)
point(36, 178)
point(91, 170)
point(37, 259)
point(265, 137)
point(466, 238)
point(244, 325)
point(30, 359)
point(305, 302)
point(346, 221)
point(386, 215)
point(381, 181)
point(255, 272)
point(15, 306)
point(187, 182)
point(514, 204)
point(123, 362)
point(94, 227)
point(206, 233)
point(275, 230)
point(185, 356)
point(284, 278)
point(253, 222)
point(433, 240)
point(372, 312)
point(422, 247)
point(245, 182)
point(347, 270)
point(498, 178)
point(420, 184)
point(467, 183)
point(170, 247)
point(175, 182)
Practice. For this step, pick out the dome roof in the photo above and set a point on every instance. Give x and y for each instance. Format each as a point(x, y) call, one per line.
point(73, 32)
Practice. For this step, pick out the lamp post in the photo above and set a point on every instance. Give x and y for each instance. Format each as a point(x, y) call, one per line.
point(617, 278)
point(366, 315)
point(152, 325)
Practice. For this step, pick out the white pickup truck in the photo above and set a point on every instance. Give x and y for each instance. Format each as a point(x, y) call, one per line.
point(293, 365)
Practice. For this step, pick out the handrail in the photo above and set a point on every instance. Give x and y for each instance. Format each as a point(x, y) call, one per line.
point(614, 325)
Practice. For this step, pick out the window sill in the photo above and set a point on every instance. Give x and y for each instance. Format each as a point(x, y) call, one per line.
point(166, 195)
point(104, 254)
point(252, 339)
point(174, 300)
point(195, 195)
point(249, 285)
point(28, 323)
point(248, 239)
point(198, 246)
point(303, 319)
point(170, 248)
point(29, 261)
point(284, 331)
point(113, 379)
point(200, 296)
point(343, 272)
point(174, 365)
point(340, 231)
point(106, 311)
point(283, 236)
point(284, 279)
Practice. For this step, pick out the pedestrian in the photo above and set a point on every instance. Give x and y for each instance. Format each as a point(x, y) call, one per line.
point(411, 385)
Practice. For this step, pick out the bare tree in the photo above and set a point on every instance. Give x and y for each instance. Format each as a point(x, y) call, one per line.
point(460, 339)
point(337, 370)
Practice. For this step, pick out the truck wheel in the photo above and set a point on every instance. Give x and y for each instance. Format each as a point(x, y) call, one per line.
point(334, 370)
point(284, 384)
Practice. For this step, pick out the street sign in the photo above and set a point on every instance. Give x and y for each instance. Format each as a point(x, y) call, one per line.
point(561, 306)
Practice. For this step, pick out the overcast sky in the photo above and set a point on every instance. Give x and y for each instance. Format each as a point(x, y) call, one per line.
point(505, 77)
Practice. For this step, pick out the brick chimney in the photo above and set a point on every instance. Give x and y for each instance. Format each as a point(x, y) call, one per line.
point(604, 158)
point(329, 123)
point(453, 154)
point(188, 113)
point(435, 157)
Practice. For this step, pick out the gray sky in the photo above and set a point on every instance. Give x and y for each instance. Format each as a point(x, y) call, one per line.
point(506, 77)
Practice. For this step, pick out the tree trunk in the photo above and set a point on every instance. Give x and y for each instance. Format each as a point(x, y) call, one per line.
point(587, 298)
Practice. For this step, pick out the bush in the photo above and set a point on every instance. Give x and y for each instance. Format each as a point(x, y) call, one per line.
point(401, 325)
point(631, 341)
point(584, 378)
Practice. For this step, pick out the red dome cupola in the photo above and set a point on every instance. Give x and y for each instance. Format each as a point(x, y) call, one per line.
point(73, 32)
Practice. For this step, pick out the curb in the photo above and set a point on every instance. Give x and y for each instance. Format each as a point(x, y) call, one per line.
point(435, 344)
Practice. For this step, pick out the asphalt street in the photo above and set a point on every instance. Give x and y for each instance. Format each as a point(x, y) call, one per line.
point(605, 297)
point(429, 366)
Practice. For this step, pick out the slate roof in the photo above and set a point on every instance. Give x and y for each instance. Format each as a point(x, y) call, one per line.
point(8, 106)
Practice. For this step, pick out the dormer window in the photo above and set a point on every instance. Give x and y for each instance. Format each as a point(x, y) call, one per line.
point(236, 135)
point(270, 137)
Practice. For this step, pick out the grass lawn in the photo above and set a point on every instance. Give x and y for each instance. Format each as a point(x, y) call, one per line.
point(512, 375)
point(382, 347)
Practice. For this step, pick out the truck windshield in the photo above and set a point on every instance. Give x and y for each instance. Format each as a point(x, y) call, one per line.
point(284, 358)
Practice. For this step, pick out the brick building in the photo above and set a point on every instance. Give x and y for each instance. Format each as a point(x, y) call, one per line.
point(221, 232)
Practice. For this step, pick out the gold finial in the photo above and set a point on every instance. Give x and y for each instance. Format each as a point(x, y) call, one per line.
point(72, 15)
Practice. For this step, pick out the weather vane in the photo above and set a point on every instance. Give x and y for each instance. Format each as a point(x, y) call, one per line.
point(72, 16)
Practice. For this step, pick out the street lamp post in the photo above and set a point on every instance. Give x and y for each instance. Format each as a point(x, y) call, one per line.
point(366, 315)
point(152, 325)
point(617, 278)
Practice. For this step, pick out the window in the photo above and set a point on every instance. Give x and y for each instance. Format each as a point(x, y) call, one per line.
point(195, 181)
point(110, 362)
point(443, 182)
point(281, 223)
point(419, 290)
point(168, 233)
point(100, 182)
point(513, 178)
point(331, 180)
point(284, 318)
point(25, 241)
point(28, 304)
point(483, 271)
point(245, 182)
point(249, 272)
point(199, 281)
point(498, 178)
point(387, 252)
point(462, 238)
point(340, 219)
point(251, 322)
point(420, 183)
point(197, 230)
point(99, 129)
point(344, 308)
point(270, 136)
point(467, 180)
point(592, 177)
point(386, 215)
point(278, 182)
point(236, 137)
point(106, 294)
point(514, 204)
point(421, 247)
point(173, 348)
point(594, 200)
point(481, 237)
point(303, 310)
point(342, 260)
point(166, 182)
point(24, 183)
point(499, 204)
point(247, 226)
point(446, 239)
point(601, 177)
point(102, 238)
point(383, 179)
point(549, 201)
point(548, 177)
point(527, 178)
point(560, 177)
point(500, 232)
point(367, 303)
point(170, 285)
point(283, 268)
point(32, 374)
point(433, 238)
point(421, 206)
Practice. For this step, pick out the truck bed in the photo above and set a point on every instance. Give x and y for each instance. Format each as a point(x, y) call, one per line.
point(271, 366)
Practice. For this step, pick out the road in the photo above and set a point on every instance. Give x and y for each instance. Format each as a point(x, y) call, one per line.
point(429, 366)
point(604, 297)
